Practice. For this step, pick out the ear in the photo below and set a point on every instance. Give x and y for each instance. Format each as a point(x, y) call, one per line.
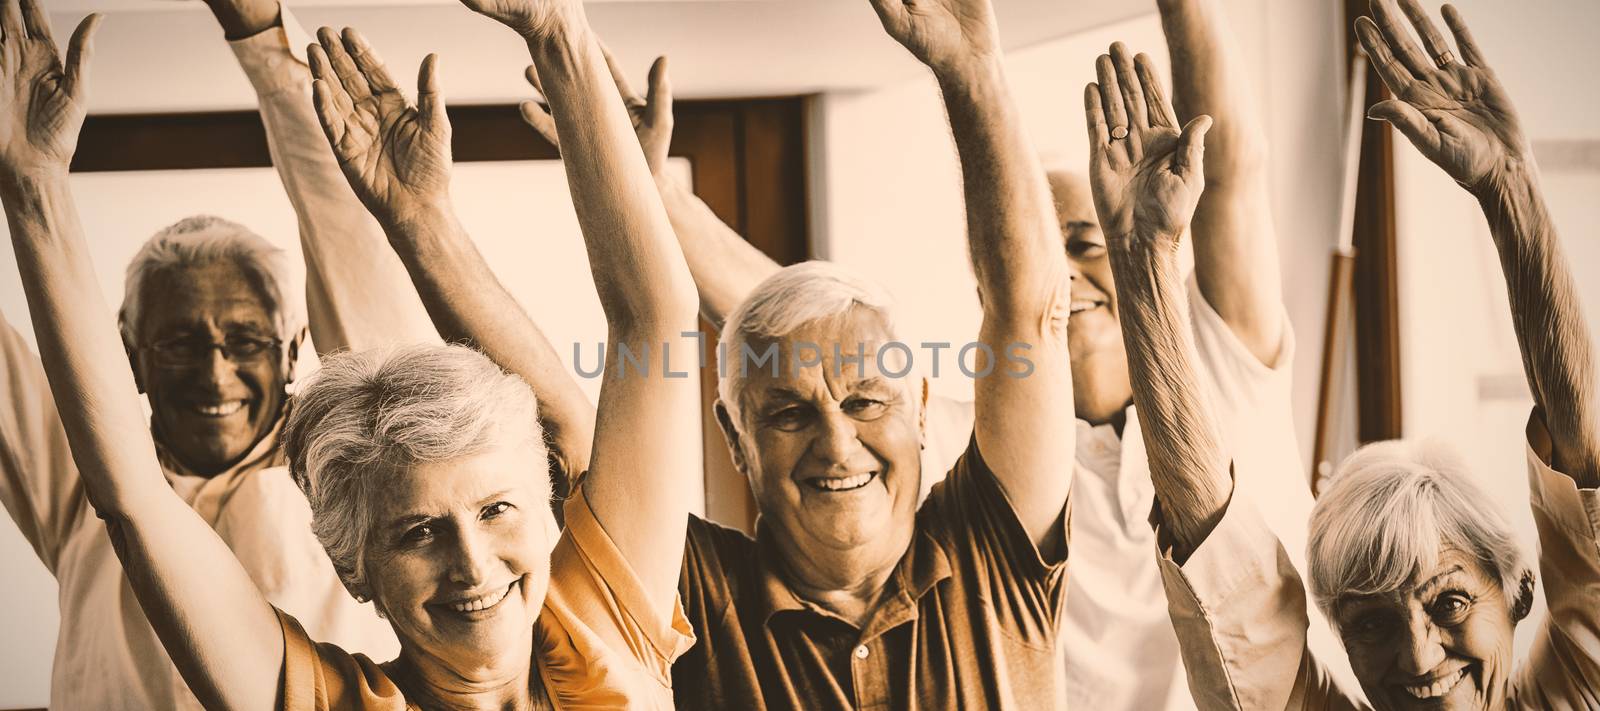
point(730, 433)
point(1524, 601)
point(293, 354)
point(359, 591)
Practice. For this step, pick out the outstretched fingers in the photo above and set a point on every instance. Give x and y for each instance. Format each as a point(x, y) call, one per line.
point(11, 26)
point(1132, 92)
point(1095, 115)
point(1464, 42)
point(1394, 75)
point(535, 113)
point(329, 114)
point(1111, 101)
point(629, 96)
point(367, 62)
point(354, 83)
point(1161, 113)
point(430, 100)
point(1432, 40)
point(35, 23)
point(1387, 18)
point(80, 48)
point(658, 97)
point(1188, 161)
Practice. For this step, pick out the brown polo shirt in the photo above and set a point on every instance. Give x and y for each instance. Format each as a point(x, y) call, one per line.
point(969, 619)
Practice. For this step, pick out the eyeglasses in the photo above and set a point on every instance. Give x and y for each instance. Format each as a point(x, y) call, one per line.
point(190, 351)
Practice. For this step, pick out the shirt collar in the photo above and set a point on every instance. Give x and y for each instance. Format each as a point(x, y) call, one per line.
point(921, 568)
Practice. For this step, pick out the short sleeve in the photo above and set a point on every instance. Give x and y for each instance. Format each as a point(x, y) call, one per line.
point(39, 483)
point(1562, 669)
point(974, 521)
point(602, 644)
point(323, 677)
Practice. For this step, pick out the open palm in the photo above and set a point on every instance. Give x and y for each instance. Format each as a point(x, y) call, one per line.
point(1454, 111)
point(44, 102)
point(1147, 177)
point(941, 33)
point(395, 155)
point(651, 113)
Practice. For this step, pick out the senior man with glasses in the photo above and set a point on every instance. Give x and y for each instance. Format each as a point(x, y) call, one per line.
point(212, 320)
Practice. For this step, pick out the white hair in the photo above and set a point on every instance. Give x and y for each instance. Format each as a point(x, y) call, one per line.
point(201, 240)
point(795, 296)
point(364, 415)
point(1392, 509)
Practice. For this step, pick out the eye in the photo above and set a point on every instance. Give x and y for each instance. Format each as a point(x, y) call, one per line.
point(1366, 626)
point(1451, 608)
point(788, 419)
point(1085, 248)
point(417, 535)
point(495, 510)
point(863, 408)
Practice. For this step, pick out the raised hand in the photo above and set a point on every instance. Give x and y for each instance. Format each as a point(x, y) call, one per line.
point(1452, 109)
point(43, 102)
point(944, 34)
point(530, 18)
point(651, 114)
point(395, 155)
point(1146, 173)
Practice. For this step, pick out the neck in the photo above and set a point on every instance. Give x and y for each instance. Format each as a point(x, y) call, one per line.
point(499, 684)
point(848, 584)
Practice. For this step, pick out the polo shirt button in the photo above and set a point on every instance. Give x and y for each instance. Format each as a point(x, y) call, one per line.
point(862, 652)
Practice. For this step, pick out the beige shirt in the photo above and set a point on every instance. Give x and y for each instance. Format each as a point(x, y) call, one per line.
point(107, 657)
point(597, 644)
point(1239, 609)
point(1120, 650)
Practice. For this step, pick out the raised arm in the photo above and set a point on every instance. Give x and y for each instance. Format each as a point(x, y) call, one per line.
point(1454, 110)
point(644, 469)
point(725, 267)
point(1025, 425)
point(219, 630)
point(1147, 177)
point(357, 293)
point(1235, 245)
point(396, 157)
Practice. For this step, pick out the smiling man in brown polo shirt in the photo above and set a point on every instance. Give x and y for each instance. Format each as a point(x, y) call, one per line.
point(850, 597)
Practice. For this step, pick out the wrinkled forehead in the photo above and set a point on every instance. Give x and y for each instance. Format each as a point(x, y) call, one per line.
point(220, 293)
point(1451, 569)
point(825, 359)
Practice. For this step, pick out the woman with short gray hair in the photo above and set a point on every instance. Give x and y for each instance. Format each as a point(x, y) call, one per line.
point(425, 466)
point(1410, 560)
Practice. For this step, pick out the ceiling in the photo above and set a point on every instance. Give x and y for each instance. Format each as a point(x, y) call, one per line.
point(168, 55)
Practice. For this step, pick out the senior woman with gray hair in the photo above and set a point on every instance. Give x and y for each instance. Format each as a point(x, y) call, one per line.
point(424, 466)
point(1410, 560)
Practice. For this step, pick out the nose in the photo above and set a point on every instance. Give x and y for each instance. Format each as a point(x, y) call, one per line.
point(468, 565)
point(1421, 649)
point(837, 442)
point(218, 369)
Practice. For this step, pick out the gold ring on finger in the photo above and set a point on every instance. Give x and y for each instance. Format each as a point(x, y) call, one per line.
point(1119, 132)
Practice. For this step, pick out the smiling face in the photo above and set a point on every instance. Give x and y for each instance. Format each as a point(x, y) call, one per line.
point(458, 556)
point(832, 451)
point(210, 412)
point(1100, 384)
point(1443, 644)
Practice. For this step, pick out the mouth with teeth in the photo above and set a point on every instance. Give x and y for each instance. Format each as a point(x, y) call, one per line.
point(833, 485)
point(480, 606)
point(1079, 306)
point(217, 409)
point(1437, 688)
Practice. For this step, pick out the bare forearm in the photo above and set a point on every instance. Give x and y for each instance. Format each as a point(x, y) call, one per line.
point(640, 275)
point(1557, 352)
point(725, 267)
point(1188, 465)
point(469, 305)
point(1235, 243)
point(1012, 231)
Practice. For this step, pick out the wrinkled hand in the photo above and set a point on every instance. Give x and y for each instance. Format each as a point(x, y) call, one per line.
point(44, 102)
point(1147, 182)
point(1453, 110)
point(395, 155)
point(651, 114)
point(944, 34)
point(533, 19)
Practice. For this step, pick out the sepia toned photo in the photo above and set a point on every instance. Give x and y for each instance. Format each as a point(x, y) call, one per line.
point(1144, 355)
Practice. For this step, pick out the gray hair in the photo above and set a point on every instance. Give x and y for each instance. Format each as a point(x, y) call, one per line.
point(781, 304)
point(201, 240)
point(365, 414)
point(1392, 509)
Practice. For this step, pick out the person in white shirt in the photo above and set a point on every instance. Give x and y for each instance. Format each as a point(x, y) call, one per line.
point(215, 360)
